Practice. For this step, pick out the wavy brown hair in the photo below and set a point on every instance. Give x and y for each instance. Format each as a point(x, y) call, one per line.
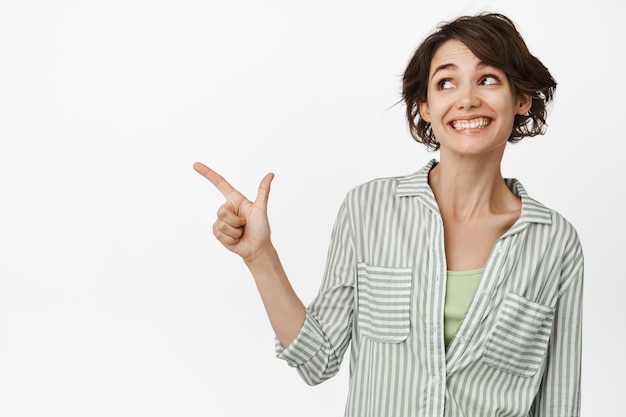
point(494, 39)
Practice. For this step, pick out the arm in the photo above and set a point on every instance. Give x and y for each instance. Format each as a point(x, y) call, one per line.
point(318, 350)
point(559, 393)
point(242, 227)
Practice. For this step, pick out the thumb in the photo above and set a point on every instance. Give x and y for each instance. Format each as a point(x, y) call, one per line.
point(264, 191)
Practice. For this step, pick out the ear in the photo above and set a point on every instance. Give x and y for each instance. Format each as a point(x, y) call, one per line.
point(524, 103)
point(424, 111)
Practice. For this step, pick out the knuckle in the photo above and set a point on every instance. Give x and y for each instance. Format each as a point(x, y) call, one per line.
point(219, 226)
point(221, 212)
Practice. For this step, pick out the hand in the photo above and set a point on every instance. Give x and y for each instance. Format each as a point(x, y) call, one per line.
point(242, 226)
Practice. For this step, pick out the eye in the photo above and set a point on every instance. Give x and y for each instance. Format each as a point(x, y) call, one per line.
point(444, 84)
point(489, 80)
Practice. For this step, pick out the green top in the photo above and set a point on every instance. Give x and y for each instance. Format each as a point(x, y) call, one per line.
point(460, 288)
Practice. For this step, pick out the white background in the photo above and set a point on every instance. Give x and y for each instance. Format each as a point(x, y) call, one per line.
point(115, 299)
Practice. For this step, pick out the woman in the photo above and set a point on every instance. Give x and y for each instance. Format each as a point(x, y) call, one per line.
point(458, 294)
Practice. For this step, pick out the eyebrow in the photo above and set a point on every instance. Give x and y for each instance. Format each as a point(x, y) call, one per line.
point(454, 66)
point(443, 67)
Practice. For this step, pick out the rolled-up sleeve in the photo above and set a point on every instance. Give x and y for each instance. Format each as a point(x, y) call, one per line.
point(319, 348)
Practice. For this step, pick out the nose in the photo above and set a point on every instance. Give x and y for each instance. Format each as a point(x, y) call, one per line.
point(468, 97)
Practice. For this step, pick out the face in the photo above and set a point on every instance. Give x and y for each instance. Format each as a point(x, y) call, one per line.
point(470, 106)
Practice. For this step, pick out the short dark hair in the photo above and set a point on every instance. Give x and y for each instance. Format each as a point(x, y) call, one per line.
point(495, 40)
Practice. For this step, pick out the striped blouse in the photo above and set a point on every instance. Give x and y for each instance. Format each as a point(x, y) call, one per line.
point(517, 351)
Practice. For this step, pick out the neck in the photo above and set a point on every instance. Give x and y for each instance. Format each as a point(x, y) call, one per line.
point(471, 187)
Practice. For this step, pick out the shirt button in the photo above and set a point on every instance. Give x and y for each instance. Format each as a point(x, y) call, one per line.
point(435, 380)
point(461, 339)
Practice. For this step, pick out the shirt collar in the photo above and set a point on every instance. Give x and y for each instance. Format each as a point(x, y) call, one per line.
point(416, 185)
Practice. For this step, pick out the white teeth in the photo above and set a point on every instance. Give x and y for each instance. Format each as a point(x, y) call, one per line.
point(470, 124)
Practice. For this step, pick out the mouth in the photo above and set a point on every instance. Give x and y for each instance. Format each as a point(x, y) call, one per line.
point(478, 123)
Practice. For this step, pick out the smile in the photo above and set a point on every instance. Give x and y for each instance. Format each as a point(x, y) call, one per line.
point(477, 123)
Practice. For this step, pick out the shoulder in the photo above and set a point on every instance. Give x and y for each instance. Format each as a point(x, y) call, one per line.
point(564, 230)
point(565, 248)
point(377, 187)
point(546, 221)
point(550, 239)
point(386, 188)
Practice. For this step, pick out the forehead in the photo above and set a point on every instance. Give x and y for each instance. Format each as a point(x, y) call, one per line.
point(453, 53)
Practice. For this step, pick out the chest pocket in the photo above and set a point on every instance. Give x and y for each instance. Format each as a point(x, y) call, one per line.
point(384, 297)
point(520, 339)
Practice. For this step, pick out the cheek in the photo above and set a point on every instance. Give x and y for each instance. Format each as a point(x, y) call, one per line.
point(505, 108)
point(434, 111)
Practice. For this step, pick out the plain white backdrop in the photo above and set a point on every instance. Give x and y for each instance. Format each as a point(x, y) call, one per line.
point(116, 300)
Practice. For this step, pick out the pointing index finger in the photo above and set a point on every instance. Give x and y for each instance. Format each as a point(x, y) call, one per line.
point(216, 179)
